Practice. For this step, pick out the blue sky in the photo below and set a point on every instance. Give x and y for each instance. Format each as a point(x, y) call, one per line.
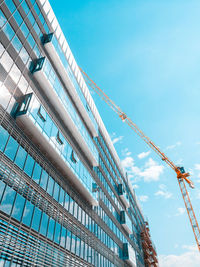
point(146, 55)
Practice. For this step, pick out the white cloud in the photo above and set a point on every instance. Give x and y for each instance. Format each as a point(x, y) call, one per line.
point(190, 258)
point(197, 167)
point(163, 192)
point(180, 211)
point(151, 171)
point(117, 139)
point(143, 198)
point(173, 146)
point(143, 154)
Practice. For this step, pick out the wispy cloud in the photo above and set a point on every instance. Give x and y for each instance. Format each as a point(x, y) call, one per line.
point(135, 186)
point(151, 170)
point(163, 192)
point(173, 146)
point(143, 198)
point(180, 211)
point(143, 155)
point(126, 152)
point(189, 258)
point(117, 139)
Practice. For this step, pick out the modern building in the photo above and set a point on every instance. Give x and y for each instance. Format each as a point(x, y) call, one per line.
point(64, 198)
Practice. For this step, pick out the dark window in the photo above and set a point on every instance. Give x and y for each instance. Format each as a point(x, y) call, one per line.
point(42, 114)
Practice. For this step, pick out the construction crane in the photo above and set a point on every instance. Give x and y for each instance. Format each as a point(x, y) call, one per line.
point(182, 176)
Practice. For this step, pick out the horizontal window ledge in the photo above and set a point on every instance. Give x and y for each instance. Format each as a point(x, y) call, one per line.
point(124, 200)
point(53, 56)
point(39, 139)
point(125, 226)
point(66, 119)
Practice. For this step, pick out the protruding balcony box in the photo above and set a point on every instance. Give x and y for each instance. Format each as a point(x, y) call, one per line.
point(122, 195)
point(125, 221)
point(48, 91)
point(54, 57)
point(39, 139)
point(129, 255)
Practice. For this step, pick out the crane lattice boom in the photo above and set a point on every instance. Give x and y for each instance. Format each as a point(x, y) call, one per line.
point(182, 176)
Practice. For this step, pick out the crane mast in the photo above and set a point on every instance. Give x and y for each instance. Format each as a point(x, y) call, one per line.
point(182, 176)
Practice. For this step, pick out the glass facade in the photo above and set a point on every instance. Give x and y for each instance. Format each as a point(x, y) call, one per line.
point(46, 219)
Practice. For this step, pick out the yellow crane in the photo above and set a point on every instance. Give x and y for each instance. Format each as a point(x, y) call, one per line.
point(182, 176)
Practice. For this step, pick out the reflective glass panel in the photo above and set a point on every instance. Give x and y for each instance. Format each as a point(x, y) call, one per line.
point(29, 165)
point(27, 215)
point(18, 207)
point(20, 157)
point(8, 199)
point(4, 137)
point(44, 224)
point(11, 148)
point(36, 219)
point(37, 172)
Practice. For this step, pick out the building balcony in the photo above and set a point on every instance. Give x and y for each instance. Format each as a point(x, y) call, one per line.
point(128, 254)
point(65, 111)
point(122, 195)
point(55, 148)
point(125, 222)
point(61, 65)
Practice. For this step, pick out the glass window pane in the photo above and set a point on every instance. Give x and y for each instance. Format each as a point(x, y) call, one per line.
point(25, 30)
point(11, 148)
point(77, 246)
point(2, 186)
point(8, 31)
point(27, 215)
point(44, 223)
point(51, 229)
point(25, 7)
point(10, 5)
point(73, 243)
point(2, 19)
point(66, 205)
point(37, 172)
point(71, 206)
point(18, 18)
point(63, 237)
point(29, 165)
point(20, 157)
point(44, 179)
point(50, 186)
point(56, 191)
point(8, 199)
point(68, 241)
point(18, 207)
point(36, 219)
point(4, 137)
point(61, 198)
point(17, 44)
point(57, 233)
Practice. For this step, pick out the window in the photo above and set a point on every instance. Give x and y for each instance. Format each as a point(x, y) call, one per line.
point(8, 31)
point(4, 137)
point(50, 186)
point(27, 215)
point(18, 18)
point(51, 228)
point(11, 148)
point(17, 44)
point(57, 233)
point(25, 30)
point(37, 172)
point(20, 157)
point(59, 138)
point(8, 199)
point(44, 223)
point(18, 207)
point(29, 165)
point(44, 179)
point(2, 19)
point(36, 219)
point(10, 5)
